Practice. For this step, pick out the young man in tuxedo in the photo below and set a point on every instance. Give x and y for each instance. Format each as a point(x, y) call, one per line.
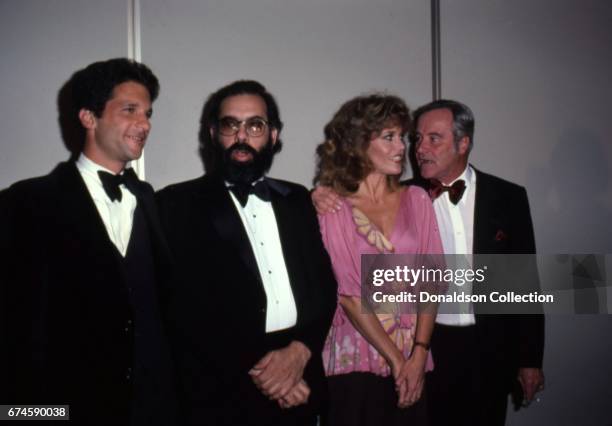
point(85, 261)
point(256, 293)
point(477, 358)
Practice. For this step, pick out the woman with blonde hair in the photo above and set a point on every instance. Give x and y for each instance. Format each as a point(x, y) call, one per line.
point(375, 363)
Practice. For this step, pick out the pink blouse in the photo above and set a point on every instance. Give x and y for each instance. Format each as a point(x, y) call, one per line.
point(415, 231)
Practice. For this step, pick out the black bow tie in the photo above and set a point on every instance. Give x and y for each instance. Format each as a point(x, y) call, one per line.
point(243, 190)
point(455, 191)
point(111, 182)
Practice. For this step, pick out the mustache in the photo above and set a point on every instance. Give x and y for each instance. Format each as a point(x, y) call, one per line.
point(241, 146)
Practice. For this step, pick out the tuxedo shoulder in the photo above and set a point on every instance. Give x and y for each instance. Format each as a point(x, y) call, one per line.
point(32, 187)
point(32, 196)
point(287, 186)
point(499, 183)
point(182, 188)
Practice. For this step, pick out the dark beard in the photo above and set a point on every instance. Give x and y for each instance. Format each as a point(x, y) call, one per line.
point(246, 172)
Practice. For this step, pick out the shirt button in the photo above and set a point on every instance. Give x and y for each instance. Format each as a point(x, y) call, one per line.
point(269, 272)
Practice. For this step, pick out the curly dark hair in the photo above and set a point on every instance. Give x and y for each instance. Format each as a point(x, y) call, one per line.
point(210, 151)
point(93, 86)
point(342, 160)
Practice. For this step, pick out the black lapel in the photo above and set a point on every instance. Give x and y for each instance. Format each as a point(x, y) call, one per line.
point(486, 215)
point(78, 209)
point(226, 220)
point(146, 200)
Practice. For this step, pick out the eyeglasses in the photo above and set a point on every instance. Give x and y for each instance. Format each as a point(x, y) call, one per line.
point(254, 127)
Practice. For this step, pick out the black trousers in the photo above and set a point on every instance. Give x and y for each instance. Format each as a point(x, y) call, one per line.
point(463, 389)
point(364, 399)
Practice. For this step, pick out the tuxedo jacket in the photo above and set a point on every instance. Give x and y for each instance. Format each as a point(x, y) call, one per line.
point(67, 323)
point(502, 225)
point(217, 307)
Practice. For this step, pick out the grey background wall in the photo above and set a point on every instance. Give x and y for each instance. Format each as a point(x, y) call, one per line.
point(42, 42)
point(313, 55)
point(536, 74)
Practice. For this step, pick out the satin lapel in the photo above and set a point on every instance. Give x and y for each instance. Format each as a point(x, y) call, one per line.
point(79, 211)
point(485, 214)
point(226, 220)
point(146, 200)
point(289, 234)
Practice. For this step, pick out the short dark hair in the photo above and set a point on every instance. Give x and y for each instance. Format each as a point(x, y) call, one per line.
point(93, 85)
point(210, 117)
point(463, 118)
point(342, 160)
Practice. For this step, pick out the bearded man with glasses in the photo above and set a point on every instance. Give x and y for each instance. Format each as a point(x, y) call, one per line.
point(255, 292)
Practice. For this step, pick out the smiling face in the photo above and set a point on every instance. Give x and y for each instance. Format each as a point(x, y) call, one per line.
point(119, 134)
point(438, 155)
point(386, 151)
point(242, 108)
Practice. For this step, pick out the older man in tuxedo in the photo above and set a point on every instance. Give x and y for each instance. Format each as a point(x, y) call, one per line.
point(255, 294)
point(85, 259)
point(477, 357)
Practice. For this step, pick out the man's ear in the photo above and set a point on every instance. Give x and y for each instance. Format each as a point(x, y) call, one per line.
point(87, 118)
point(464, 145)
point(274, 135)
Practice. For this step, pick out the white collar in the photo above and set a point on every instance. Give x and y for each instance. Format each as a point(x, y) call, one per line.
point(90, 167)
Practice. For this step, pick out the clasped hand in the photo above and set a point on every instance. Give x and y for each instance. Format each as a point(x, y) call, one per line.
point(278, 375)
point(409, 379)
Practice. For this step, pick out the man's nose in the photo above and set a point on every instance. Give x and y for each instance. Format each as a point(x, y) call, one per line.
point(242, 134)
point(144, 123)
point(419, 147)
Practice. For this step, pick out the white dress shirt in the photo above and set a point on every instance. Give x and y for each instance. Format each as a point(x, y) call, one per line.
point(260, 223)
point(456, 223)
point(118, 216)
